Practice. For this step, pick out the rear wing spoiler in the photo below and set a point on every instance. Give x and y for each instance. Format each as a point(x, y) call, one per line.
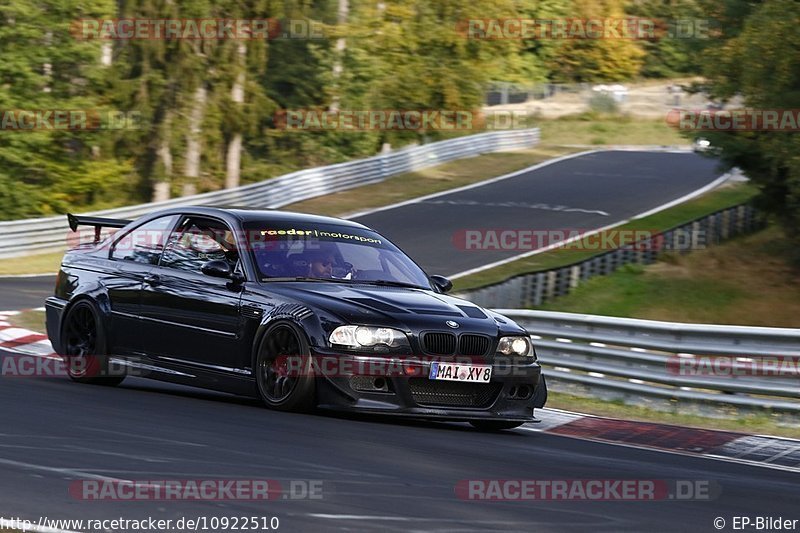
point(97, 222)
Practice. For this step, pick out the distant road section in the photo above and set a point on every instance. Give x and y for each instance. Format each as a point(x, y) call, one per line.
point(580, 193)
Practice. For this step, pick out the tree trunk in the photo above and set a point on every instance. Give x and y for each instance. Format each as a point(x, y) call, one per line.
point(193, 147)
point(161, 187)
point(341, 46)
point(234, 161)
point(234, 157)
point(106, 54)
point(160, 191)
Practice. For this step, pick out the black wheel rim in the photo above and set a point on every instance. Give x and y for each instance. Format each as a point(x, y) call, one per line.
point(275, 382)
point(81, 339)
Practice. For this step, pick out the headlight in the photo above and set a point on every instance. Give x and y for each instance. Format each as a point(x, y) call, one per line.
point(515, 346)
point(361, 336)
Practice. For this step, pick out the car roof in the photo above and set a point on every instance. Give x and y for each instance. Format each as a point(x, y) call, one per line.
point(246, 214)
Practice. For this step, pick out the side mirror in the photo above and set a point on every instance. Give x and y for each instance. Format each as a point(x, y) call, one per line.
point(217, 269)
point(442, 284)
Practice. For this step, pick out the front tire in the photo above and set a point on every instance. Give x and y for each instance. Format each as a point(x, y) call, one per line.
point(283, 369)
point(83, 346)
point(494, 425)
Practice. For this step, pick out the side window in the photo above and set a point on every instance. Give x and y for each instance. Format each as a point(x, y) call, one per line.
point(197, 241)
point(145, 243)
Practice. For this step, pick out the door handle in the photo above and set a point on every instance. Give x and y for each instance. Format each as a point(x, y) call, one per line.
point(152, 279)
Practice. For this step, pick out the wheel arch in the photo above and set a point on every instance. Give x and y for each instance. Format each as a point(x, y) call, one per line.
point(101, 304)
point(268, 324)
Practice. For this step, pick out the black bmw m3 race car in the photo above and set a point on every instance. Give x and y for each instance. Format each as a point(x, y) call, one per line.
point(300, 310)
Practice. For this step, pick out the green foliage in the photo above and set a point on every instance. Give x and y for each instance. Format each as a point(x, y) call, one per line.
point(45, 68)
point(397, 54)
point(759, 61)
point(681, 28)
point(591, 60)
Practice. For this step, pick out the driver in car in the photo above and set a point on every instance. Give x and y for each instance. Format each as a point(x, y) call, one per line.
point(321, 265)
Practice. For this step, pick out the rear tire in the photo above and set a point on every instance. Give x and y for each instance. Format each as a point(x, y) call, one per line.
point(83, 346)
point(494, 425)
point(284, 374)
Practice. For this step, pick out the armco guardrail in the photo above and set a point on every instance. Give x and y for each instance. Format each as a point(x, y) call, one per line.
point(534, 288)
point(23, 237)
point(707, 369)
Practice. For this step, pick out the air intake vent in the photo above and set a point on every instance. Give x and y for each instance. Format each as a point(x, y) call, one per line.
point(435, 312)
point(472, 311)
point(299, 312)
point(453, 393)
point(252, 311)
point(377, 304)
point(439, 343)
point(473, 345)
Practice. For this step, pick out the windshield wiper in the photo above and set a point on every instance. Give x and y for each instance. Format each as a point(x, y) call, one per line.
point(305, 278)
point(380, 282)
point(388, 283)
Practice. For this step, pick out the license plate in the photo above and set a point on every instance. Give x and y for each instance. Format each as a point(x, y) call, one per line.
point(457, 372)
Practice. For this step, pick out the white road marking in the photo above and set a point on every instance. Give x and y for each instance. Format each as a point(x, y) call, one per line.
point(63, 471)
point(559, 244)
point(140, 436)
point(543, 207)
point(472, 185)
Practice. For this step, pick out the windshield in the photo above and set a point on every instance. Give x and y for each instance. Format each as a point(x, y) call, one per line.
point(330, 252)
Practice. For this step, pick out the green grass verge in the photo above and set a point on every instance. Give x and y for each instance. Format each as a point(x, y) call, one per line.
point(748, 280)
point(31, 320)
point(719, 198)
point(31, 264)
point(598, 130)
point(764, 424)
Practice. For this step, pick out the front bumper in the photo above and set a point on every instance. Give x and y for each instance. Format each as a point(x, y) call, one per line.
point(400, 386)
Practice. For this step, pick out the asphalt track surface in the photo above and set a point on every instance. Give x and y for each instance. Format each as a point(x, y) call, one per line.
point(376, 474)
point(25, 292)
point(581, 193)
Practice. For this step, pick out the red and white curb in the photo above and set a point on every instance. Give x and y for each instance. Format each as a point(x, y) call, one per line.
point(758, 450)
point(22, 341)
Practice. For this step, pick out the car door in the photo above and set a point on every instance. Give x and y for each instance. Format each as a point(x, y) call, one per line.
point(133, 255)
point(195, 317)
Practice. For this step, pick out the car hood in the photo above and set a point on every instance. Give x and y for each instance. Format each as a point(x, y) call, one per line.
point(405, 308)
